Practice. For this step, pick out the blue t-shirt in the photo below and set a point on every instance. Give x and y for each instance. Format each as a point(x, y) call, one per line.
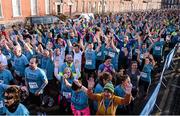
point(64, 88)
point(28, 54)
point(20, 64)
point(35, 78)
point(109, 68)
point(48, 67)
point(114, 55)
point(64, 65)
point(100, 54)
point(146, 72)
point(5, 76)
point(158, 48)
point(119, 91)
point(90, 56)
point(97, 89)
point(20, 111)
point(3, 87)
point(79, 100)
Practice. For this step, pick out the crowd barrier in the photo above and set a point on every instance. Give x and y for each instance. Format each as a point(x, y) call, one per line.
point(152, 100)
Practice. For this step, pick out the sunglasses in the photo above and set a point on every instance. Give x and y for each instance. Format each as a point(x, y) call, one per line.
point(8, 97)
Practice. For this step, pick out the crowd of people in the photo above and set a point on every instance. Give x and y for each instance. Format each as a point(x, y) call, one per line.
point(86, 67)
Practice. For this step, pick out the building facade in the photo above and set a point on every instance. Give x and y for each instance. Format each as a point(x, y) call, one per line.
point(12, 11)
point(101, 6)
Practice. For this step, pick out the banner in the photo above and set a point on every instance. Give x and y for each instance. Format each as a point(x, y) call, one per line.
point(151, 102)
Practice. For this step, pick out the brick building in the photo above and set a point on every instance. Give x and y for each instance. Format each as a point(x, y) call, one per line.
point(16, 10)
point(99, 6)
point(12, 11)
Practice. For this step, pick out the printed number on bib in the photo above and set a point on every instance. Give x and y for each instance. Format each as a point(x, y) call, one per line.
point(1, 104)
point(111, 54)
point(67, 95)
point(157, 48)
point(1, 81)
point(99, 54)
point(33, 85)
point(143, 74)
point(88, 62)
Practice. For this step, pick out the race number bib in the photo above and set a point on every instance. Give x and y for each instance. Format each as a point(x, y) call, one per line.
point(67, 95)
point(99, 54)
point(1, 81)
point(136, 50)
point(122, 49)
point(1, 104)
point(157, 48)
point(111, 54)
point(143, 74)
point(88, 62)
point(33, 85)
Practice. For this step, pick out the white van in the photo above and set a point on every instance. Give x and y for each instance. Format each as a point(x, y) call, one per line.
point(87, 16)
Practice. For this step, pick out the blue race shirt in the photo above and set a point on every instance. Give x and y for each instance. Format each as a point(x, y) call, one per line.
point(28, 54)
point(97, 89)
point(119, 91)
point(3, 87)
point(20, 111)
point(158, 48)
point(20, 64)
point(64, 65)
point(90, 57)
point(100, 54)
point(35, 78)
point(48, 67)
point(79, 100)
point(146, 72)
point(5, 76)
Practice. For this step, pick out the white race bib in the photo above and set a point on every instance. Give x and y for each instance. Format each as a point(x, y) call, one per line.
point(122, 49)
point(136, 50)
point(111, 54)
point(157, 48)
point(143, 74)
point(88, 62)
point(99, 54)
point(1, 104)
point(1, 81)
point(33, 85)
point(67, 95)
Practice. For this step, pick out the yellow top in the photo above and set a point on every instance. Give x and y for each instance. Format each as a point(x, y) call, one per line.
point(113, 104)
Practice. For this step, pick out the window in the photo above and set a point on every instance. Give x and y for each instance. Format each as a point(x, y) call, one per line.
point(89, 6)
point(83, 9)
point(16, 8)
point(47, 6)
point(33, 7)
point(0, 9)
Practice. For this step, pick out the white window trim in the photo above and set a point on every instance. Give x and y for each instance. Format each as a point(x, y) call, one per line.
point(36, 8)
point(47, 6)
point(20, 10)
point(1, 10)
point(58, 3)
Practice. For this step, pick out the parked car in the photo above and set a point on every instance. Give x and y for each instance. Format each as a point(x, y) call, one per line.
point(87, 16)
point(42, 20)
